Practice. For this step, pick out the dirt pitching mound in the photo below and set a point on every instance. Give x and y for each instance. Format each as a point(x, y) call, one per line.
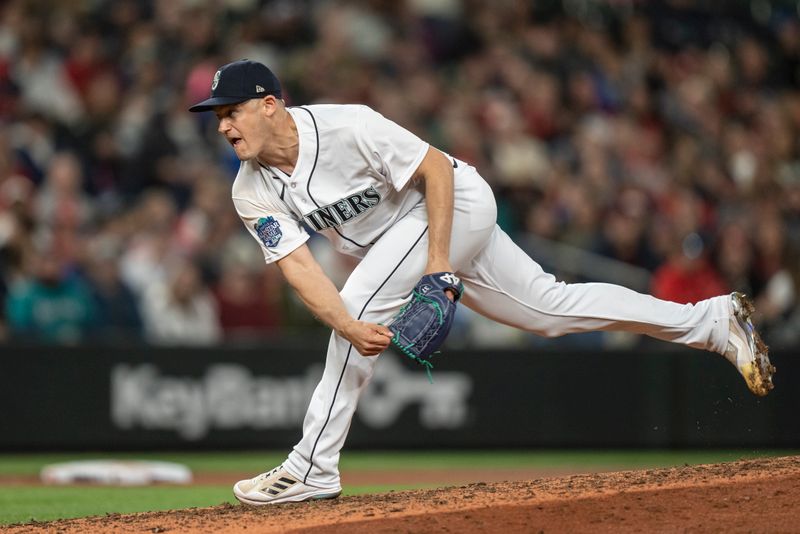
point(746, 496)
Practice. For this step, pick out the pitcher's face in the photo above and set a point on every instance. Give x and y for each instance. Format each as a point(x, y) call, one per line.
point(245, 126)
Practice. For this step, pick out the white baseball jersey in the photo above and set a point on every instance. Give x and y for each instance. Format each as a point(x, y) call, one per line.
point(349, 182)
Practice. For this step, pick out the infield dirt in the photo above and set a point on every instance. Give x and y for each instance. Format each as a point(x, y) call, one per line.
point(759, 495)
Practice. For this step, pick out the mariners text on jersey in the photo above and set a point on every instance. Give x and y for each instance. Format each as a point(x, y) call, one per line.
point(343, 210)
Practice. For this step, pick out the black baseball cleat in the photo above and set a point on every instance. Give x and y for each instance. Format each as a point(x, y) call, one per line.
point(746, 350)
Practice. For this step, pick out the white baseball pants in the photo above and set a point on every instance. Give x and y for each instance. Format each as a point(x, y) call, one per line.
point(501, 282)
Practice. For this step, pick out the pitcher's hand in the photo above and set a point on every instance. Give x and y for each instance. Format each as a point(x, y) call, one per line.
point(368, 339)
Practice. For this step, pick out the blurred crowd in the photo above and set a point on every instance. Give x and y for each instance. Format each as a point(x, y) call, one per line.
point(658, 134)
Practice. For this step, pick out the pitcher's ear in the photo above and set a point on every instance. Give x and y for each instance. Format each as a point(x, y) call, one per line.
point(270, 103)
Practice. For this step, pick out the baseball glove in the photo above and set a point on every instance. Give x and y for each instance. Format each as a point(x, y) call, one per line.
point(421, 326)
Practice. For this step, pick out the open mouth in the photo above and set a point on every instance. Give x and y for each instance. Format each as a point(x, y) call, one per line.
point(235, 141)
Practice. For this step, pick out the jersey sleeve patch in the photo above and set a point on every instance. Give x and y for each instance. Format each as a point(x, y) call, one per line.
point(269, 231)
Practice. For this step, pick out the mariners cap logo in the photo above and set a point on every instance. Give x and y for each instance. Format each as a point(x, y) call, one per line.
point(242, 81)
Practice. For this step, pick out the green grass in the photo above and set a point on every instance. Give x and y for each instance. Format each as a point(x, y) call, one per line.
point(545, 459)
point(22, 504)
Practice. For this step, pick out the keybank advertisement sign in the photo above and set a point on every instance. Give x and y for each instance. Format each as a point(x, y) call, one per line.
point(230, 396)
point(145, 398)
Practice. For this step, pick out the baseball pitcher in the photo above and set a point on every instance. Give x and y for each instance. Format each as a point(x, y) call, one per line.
point(424, 227)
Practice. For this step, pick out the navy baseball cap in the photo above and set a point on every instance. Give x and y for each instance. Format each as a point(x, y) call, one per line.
point(240, 81)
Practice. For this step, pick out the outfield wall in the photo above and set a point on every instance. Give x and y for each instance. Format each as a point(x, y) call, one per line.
point(145, 398)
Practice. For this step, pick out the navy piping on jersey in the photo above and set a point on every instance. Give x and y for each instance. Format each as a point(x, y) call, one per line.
point(313, 168)
point(350, 349)
point(283, 189)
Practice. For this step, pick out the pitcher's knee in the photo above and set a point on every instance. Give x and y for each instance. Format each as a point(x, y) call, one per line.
point(363, 308)
point(353, 303)
point(554, 297)
point(554, 312)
